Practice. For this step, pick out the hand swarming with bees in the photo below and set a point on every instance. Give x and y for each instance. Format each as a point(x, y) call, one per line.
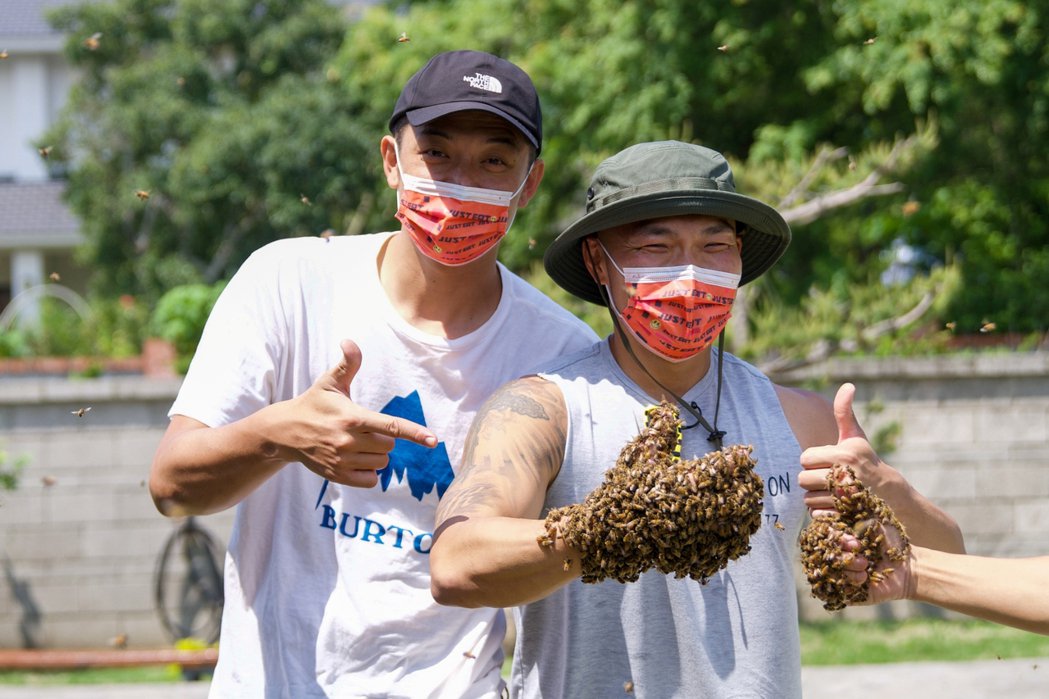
point(860, 513)
point(655, 510)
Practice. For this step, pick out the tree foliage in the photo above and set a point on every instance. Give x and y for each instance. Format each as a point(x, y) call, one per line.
point(249, 121)
point(200, 131)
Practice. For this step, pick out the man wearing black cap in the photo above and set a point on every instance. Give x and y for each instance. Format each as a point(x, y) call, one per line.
point(331, 394)
point(664, 243)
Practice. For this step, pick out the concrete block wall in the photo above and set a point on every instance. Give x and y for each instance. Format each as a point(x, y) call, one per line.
point(80, 537)
point(77, 557)
point(973, 437)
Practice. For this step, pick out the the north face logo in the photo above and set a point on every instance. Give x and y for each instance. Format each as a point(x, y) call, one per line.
point(484, 82)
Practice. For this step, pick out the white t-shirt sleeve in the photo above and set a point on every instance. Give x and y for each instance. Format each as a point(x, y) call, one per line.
point(233, 372)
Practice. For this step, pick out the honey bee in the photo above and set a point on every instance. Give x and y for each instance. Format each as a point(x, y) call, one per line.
point(723, 48)
point(628, 687)
point(54, 276)
point(327, 233)
point(870, 41)
point(45, 152)
point(910, 207)
point(951, 325)
point(81, 412)
point(988, 327)
point(403, 38)
point(142, 194)
point(48, 481)
point(468, 654)
point(305, 200)
point(3, 54)
point(779, 526)
point(92, 42)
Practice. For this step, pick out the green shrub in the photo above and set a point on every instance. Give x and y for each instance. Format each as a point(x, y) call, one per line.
point(180, 315)
point(11, 469)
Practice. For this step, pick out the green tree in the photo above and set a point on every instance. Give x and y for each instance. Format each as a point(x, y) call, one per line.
point(870, 123)
point(200, 131)
point(981, 69)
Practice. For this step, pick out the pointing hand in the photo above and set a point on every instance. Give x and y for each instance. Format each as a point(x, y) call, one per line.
point(338, 439)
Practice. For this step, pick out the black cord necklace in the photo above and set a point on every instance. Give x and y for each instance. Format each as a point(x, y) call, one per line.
point(714, 436)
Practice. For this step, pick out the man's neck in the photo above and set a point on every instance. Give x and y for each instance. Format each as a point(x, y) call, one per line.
point(678, 377)
point(438, 299)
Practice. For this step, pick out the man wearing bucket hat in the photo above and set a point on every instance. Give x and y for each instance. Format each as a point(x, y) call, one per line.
point(331, 394)
point(664, 242)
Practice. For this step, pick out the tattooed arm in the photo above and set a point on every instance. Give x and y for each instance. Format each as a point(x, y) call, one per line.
point(485, 552)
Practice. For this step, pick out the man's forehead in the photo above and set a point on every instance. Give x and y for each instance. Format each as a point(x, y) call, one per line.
point(692, 223)
point(474, 121)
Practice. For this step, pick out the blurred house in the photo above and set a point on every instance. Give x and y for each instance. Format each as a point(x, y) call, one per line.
point(38, 233)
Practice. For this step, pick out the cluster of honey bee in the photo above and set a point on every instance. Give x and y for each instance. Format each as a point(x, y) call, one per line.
point(858, 512)
point(654, 510)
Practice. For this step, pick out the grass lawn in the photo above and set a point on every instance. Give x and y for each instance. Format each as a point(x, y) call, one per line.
point(915, 640)
point(825, 643)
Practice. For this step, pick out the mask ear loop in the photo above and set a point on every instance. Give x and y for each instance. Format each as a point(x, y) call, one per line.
point(714, 436)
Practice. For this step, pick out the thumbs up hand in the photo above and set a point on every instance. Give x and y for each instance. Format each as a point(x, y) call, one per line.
point(336, 438)
point(852, 449)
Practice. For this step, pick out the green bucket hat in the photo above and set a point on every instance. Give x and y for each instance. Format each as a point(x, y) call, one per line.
point(657, 180)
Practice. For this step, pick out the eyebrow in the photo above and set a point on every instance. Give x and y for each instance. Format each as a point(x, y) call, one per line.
point(498, 135)
point(656, 227)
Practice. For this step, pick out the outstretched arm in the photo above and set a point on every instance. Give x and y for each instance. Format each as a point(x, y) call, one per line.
point(200, 470)
point(1008, 591)
point(485, 550)
point(927, 525)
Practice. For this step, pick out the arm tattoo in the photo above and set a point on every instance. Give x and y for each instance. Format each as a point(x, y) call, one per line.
point(517, 402)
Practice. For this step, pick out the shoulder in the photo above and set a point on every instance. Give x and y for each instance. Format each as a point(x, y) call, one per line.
point(538, 307)
point(291, 251)
point(810, 415)
point(572, 365)
point(530, 396)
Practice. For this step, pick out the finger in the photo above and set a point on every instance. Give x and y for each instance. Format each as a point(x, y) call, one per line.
point(856, 577)
point(848, 425)
point(814, 479)
point(339, 377)
point(358, 478)
point(822, 457)
point(398, 428)
point(365, 461)
point(816, 499)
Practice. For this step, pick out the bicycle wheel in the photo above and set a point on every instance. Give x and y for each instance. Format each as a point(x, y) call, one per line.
point(188, 584)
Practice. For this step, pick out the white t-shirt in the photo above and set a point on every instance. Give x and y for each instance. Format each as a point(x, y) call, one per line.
point(328, 587)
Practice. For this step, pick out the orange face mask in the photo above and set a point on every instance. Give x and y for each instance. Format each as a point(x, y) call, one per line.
point(676, 312)
point(450, 223)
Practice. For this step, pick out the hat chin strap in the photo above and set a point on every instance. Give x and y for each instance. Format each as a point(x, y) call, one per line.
point(714, 436)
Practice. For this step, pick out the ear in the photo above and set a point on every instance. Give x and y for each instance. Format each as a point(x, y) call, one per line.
point(389, 161)
point(535, 176)
point(594, 259)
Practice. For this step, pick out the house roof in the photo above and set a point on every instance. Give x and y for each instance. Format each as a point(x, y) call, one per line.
point(32, 214)
point(28, 17)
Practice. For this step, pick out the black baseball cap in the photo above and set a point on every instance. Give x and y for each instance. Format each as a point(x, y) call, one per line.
point(456, 81)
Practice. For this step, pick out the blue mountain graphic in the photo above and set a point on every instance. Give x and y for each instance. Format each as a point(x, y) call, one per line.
point(426, 468)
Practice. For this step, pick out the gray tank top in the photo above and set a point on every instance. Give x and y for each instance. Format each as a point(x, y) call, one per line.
point(736, 636)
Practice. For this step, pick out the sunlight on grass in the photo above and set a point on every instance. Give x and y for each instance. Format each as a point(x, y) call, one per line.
point(122, 675)
point(824, 643)
point(916, 640)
